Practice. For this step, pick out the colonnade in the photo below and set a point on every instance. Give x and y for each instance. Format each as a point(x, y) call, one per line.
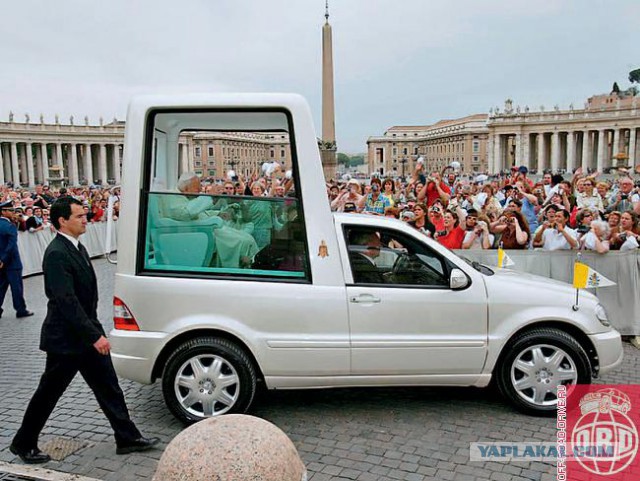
point(594, 149)
point(28, 163)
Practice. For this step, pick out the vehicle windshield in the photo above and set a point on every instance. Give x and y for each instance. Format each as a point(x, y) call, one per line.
point(481, 268)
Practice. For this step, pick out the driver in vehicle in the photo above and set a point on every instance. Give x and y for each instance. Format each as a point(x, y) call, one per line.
point(364, 249)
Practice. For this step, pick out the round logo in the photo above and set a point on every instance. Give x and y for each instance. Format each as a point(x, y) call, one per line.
point(605, 439)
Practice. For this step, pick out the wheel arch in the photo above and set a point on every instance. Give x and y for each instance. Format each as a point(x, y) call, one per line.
point(571, 329)
point(183, 337)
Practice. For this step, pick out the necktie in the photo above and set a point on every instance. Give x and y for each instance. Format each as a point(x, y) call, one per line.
point(84, 253)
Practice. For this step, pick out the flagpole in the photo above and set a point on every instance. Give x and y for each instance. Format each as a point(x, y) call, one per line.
point(577, 259)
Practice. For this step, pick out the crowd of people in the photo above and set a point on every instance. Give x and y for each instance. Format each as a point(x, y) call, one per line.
point(582, 211)
point(32, 205)
point(461, 211)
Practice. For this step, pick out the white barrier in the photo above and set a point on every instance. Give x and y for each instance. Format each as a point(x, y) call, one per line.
point(33, 245)
point(622, 302)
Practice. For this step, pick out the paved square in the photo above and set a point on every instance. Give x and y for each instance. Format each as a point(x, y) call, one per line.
point(342, 434)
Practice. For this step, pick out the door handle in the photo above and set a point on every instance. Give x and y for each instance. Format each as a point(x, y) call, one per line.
point(365, 299)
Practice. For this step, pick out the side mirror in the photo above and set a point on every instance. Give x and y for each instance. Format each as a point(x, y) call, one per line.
point(458, 280)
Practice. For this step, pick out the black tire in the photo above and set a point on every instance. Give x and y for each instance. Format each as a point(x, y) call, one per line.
point(548, 340)
point(207, 387)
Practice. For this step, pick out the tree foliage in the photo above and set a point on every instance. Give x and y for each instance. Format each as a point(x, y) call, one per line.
point(634, 76)
point(350, 160)
point(344, 159)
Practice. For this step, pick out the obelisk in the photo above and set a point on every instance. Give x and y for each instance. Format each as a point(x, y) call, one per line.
point(328, 147)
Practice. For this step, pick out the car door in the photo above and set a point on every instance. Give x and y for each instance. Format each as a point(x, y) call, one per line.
point(404, 318)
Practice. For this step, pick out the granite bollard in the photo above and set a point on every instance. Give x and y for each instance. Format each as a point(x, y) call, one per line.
point(234, 447)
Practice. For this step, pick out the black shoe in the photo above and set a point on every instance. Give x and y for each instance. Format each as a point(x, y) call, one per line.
point(140, 444)
point(32, 456)
point(24, 314)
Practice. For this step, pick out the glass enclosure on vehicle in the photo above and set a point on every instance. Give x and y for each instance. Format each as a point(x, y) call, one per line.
point(220, 197)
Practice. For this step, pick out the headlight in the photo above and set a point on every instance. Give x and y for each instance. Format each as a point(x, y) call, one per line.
point(601, 314)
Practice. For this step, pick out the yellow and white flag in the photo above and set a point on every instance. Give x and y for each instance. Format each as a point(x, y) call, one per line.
point(503, 259)
point(584, 277)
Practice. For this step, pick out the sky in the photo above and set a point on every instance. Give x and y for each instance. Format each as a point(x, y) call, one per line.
point(396, 62)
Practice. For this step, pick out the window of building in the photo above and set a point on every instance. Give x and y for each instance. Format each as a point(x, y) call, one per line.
point(282, 154)
point(197, 152)
point(405, 151)
point(210, 152)
point(476, 146)
point(395, 151)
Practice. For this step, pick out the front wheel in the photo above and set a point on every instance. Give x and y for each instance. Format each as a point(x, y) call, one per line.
point(535, 363)
point(207, 377)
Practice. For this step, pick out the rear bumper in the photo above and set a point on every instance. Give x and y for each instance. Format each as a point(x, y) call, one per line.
point(609, 348)
point(134, 353)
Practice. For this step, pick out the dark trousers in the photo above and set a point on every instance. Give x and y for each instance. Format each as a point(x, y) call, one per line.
point(97, 370)
point(13, 278)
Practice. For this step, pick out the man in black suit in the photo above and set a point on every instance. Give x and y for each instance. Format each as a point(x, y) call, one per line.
point(10, 263)
point(74, 340)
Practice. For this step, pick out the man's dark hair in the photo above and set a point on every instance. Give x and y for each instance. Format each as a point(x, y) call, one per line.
point(565, 213)
point(556, 179)
point(62, 208)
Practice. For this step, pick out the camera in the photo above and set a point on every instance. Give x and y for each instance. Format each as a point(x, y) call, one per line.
point(435, 208)
point(622, 236)
point(624, 196)
point(583, 229)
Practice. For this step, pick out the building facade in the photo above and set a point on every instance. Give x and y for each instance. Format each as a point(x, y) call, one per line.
point(72, 155)
point(463, 140)
point(601, 135)
point(213, 154)
point(59, 154)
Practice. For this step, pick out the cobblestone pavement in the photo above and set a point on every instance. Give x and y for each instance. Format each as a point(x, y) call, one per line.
point(360, 434)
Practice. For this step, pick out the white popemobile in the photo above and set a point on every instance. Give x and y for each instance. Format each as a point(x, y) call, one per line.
point(217, 293)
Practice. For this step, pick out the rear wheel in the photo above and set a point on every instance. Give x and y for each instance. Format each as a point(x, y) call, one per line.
point(207, 377)
point(533, 366)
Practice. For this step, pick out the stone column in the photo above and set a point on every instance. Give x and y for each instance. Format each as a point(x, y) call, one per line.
point(102, 164)
point(632, 146)
point(22, 161)
point(490, 169)
point(616, 143)
point(586, 152)
point(45, 163)
point(1, 166)
point(74, 178)
point(39, 173)
point(30, 174)
point(6, 167)
point(59, 161)
point(541, 152)
point(184, 165)
point(602, 145)
point(517, 156)
point(571, 151)
point(555, 152)
point(526, 151)
point(15, 169)
point(116, 163)
point(88, 163)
